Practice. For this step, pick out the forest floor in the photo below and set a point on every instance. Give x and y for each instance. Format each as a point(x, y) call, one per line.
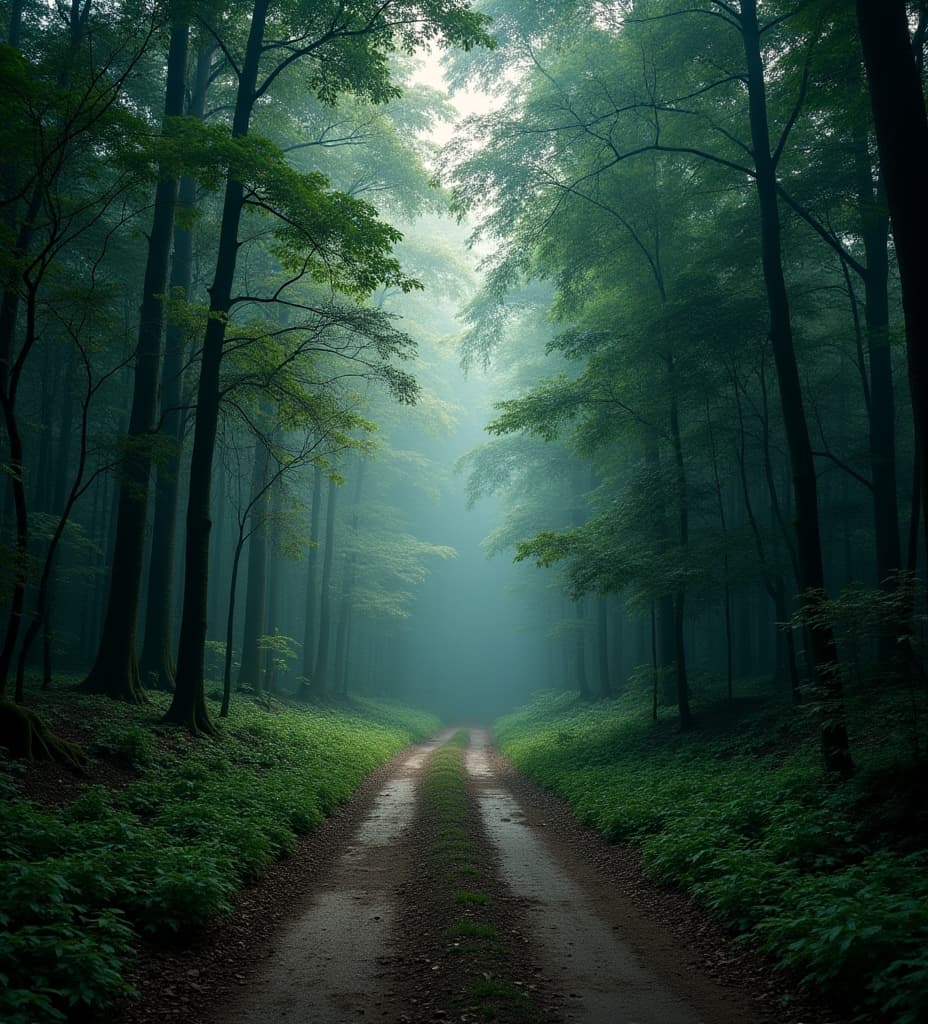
point(363, 923)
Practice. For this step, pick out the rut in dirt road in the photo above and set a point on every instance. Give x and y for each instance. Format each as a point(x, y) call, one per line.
point(328, 966)
point(373, 944)
point(611, 971)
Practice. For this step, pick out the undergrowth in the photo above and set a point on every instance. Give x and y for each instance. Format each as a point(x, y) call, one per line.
point(164, 854)
point(829, 878)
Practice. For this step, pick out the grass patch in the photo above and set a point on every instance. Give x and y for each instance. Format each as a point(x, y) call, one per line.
point(831, 879)
point(472, 930)
point(498, 1000)
point(163, 855)
point(481, 899)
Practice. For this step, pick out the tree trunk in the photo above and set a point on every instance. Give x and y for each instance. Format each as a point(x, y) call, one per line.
point(340, 674)
point(901, 125)
point(835, 747)
point(249, 673)
point(583, 685)
point(189, 706)
point(230, 627)
point(683, 519)
point(272, 618)
point(156, 663)
point(320, 672)
point(310, 634)
point(115, 671)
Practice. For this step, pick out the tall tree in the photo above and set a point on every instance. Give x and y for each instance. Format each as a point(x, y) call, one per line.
point(115, 670)
point(899, 114)
point(331, 237)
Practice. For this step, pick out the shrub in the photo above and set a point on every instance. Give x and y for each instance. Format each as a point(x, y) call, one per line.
point(131, 746)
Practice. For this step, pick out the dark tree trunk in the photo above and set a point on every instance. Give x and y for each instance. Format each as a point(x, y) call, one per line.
point(115, 671)
point(310, 631)
point(901, 124)
point(189, 706)
point(218, 542)
point(272, 618)
point(583, 685)
point(679, 599)
point(249, 673)
point(230, 629)
point(340, 675)
point(156, 663)
point(62, 457)
point(320, 672)
point(882, 405)
point(835, 747)
point(20, 567)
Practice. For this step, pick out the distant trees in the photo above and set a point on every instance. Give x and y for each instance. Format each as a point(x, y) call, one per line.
point(285, 324)
point(692, 223)
point(690, 144)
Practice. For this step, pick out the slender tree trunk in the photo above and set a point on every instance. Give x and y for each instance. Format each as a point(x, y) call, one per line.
point(156, 663)
point(9, 383)
point(271, 621)
point(218, 541)
point(835, 747)
point(115, 671)
point(583, 685)
point(310, 629)
point(189, 706)
point(230, 627)
point(901, 124)
point(679, 599)
point(320, 672)
point(249, 673)
point(344, 612)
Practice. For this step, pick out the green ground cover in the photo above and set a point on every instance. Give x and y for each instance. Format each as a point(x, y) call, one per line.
point(829, 878)
point(197, 820)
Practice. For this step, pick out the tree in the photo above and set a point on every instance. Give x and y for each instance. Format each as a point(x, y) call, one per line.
point(901, 123)
point(325, 235)
point(115, 671)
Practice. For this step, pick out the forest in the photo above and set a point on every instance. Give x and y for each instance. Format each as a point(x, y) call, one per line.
point(374, 366)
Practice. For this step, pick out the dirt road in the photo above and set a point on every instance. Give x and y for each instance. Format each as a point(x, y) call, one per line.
point(367, 940)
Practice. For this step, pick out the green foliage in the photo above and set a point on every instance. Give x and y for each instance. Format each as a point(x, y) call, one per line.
point(818, 875)
point(164, 855)
point(131, 746)
point(472, 930)
point(463, 896)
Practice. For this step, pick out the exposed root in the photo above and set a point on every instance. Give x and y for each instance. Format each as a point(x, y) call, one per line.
point(27, 738)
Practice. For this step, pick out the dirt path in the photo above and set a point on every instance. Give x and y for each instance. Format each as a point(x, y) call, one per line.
point(364, 935)
point(612, 969)
point(329, 963)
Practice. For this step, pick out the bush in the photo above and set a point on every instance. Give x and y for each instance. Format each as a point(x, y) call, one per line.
point(130, 746)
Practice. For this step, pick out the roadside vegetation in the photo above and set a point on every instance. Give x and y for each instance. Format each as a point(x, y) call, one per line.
point(166, 838)
point(829, 878)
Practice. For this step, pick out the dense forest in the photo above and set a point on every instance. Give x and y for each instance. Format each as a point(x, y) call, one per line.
point(442, 352)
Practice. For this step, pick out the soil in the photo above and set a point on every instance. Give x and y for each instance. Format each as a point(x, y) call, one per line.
point(354, 926)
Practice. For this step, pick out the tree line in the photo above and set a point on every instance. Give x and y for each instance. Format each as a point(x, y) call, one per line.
point(701, 290)
point(196, 331)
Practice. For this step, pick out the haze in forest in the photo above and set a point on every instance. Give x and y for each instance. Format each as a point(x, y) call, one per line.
point(602, 375)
